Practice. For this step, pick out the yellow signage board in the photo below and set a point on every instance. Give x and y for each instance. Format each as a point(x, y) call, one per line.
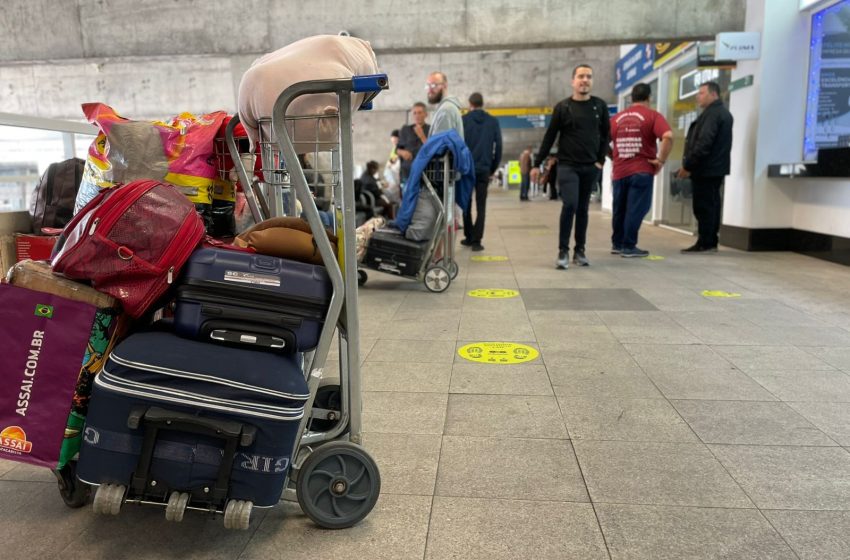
point(514, 175)
point(494, 293)
point(498, 353)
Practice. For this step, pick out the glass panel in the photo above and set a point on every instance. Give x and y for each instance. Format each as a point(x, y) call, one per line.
point(682, 110)
point(81, 144)
point(24, 155)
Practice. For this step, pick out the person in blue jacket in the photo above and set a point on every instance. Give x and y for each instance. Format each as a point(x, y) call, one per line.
point(484, 139)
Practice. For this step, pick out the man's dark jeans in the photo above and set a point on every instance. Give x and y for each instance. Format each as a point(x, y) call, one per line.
point(707, 209)
point(523, 188)
point(632, 200)
point(575, 183)
point(474, 231)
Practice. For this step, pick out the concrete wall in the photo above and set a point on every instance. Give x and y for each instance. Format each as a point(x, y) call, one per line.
point(769, 129)
point(60, 29)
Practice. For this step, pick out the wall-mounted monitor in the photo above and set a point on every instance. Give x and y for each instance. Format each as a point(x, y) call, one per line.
point(828, 99)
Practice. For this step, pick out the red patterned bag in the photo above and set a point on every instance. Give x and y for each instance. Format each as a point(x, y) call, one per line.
point(130, 242)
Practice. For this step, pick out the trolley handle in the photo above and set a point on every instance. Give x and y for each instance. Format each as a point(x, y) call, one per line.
point(373, 84)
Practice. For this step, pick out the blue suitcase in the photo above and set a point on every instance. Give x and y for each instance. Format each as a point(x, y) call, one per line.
point(244, 298)
point(170, 414)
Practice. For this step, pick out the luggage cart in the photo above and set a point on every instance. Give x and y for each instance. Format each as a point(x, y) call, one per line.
point(436, 272)
point(335, 481)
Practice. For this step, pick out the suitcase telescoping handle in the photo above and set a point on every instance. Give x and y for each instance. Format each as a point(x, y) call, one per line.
point(153, 419)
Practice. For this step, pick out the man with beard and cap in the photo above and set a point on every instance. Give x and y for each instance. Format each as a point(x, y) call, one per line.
point(447, 116)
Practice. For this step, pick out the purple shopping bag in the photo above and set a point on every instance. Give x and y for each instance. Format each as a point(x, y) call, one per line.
point(43, 338)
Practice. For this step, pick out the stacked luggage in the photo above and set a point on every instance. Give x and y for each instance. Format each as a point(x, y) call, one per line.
point(201, 376)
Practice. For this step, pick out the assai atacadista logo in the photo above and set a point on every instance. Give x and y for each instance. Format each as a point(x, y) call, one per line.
point(14, 439)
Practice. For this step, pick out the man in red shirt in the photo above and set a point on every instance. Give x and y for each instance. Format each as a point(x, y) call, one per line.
point(635, 132)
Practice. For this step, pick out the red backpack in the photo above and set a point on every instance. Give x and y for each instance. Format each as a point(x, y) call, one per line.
point(130, 242)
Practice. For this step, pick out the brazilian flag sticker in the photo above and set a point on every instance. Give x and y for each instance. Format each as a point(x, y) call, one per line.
point(45, 311)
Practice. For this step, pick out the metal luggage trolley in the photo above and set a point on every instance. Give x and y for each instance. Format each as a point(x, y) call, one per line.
point(435, 272)
point(335, 481)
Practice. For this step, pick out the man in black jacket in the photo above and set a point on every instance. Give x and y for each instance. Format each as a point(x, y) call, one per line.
point(582, 122)
point(484, 138)
point(706, 161)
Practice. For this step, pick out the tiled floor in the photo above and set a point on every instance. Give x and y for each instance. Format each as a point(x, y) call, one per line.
point(656, 423)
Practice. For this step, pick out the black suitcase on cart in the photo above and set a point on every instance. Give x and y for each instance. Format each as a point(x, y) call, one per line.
point(238, 297)
point(391, 252)
point(169, 414)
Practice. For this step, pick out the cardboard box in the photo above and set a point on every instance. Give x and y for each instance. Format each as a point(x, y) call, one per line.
point(34, 247)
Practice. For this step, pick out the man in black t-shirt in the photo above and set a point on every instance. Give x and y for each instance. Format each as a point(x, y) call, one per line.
point(581, 124)
point(411, 137)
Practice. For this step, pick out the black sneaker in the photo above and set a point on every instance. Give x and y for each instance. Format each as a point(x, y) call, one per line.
point(466, 242)
point(563, 260)
point(579, 259)
point(616, 250)
point(633, 253)
point(697, 248)
point(478, 247)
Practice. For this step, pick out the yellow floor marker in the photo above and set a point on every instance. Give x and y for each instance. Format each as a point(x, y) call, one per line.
point(654, 258)
point(494, 293)
point(487, 258)
point(498, 353)
point(720, 294)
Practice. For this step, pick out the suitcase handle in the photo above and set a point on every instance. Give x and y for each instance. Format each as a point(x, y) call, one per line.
point(154, 419)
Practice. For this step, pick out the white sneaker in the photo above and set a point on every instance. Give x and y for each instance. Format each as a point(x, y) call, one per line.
point(563, 260)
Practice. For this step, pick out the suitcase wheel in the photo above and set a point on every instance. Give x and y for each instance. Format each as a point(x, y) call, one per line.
point(176, 506)
point(108, 499)
point(237, 514)
point(437, 279)
point(338, 485)
point(74, 492)
point(361, 277)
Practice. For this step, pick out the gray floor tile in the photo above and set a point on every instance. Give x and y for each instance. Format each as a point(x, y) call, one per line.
point(749, 358)
point(650, 334)
point(753, 423)
point(594, 384)
point(814, 535)
point(420, 351)
point(722, 383)
point(749, 335)
point(831, 418)
point(811, 386)
point(474, 528)
point(585, 299)
point(675, 357)
point(406, 377)
point(684, 474)
point(27, 473)
point(624, 420)
point(504, 416)
point(450, 315)
point(507, 379)
point(406, 329)
point(6, 466)
point(404, 413)
point(790, 477)
point(836, 357)
point(810, 336)
point(526, 469)
point(485, 325)
point(565, 318)
point(653, 319)
point(553, 335)
point(673, 533)
point(407, 462)
point(396, 529)
point(608, 356)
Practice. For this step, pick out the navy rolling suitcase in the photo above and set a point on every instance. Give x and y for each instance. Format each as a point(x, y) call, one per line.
point(389, 251)
point(169, 414)
point(245, 298)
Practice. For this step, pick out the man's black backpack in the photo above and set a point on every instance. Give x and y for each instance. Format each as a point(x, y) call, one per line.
point(52, 202)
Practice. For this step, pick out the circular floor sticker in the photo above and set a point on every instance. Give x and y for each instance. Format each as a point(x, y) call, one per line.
point(495, 293)
point(498, 353)
point(719, 293)
point(654, 258)
point(488, 258)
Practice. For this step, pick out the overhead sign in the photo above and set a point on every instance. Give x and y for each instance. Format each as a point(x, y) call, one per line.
point(498, 353)
point(665, 52)
point(738, 46)
point(634, 66)
point(689, 83)
point(522, 117)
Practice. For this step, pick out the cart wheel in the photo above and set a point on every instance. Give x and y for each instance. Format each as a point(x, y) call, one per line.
point(452, 267)
point(328, 397)
point(75, 493)
point(237, 514)
point(437, 279)
point(361, 277)
point(338, 485)
point(108, 499)
point(176, 507)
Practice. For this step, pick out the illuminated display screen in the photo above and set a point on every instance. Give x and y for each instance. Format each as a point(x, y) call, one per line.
point(828, 101)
